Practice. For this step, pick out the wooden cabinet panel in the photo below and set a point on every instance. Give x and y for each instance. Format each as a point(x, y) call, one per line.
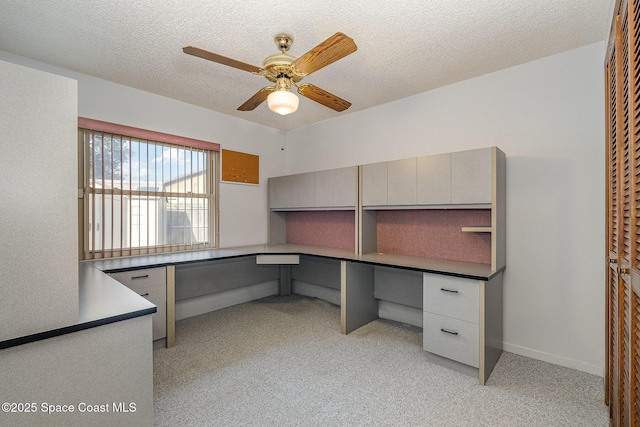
point(433, 180)
point(471, 176)
point(374, 184)
point(401, 182)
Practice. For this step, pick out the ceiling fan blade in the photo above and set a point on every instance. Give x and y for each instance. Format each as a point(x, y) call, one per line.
point(256, 99)
point(335, 47)
point(323, 97)
point(205, 54)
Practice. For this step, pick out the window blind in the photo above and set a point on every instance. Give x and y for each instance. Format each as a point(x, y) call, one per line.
point(145, 196)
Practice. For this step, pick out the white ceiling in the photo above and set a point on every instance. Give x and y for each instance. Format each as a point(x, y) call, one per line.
point(405, 47)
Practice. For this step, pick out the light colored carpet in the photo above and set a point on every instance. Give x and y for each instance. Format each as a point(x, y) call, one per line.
point(282, 362)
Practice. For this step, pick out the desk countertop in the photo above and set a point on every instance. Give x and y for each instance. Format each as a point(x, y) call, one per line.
point(104, 300)
point(439, 266)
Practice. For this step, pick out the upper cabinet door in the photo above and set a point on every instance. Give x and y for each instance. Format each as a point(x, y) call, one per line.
point(283, 192)
point(374, 184)
point(345, 187)
point(434, 180)
point(306, 190)
point(325, 183)
point(401, 182)
point(471, 176)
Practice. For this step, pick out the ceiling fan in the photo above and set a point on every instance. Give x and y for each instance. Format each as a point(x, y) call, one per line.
point(285, 70)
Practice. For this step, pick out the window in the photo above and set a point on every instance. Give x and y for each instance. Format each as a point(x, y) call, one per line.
point(144, 195)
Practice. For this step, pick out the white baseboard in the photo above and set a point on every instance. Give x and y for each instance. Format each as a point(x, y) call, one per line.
point(204, 304)
point(555, 359)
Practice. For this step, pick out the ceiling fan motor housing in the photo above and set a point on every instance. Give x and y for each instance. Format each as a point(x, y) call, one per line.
point(278, 64)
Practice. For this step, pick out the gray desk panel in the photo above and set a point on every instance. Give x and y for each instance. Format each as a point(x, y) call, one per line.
point(399, 286)
point(203, 278)
point(318, 271)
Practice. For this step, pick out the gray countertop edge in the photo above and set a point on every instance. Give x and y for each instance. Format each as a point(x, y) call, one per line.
point(101, 300)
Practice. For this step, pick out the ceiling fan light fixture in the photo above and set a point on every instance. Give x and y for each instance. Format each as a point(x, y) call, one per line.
point(282, 102)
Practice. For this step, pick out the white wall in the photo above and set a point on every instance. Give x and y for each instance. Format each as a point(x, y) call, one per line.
point(243, 208)
point(548, 117)
point(38, 237)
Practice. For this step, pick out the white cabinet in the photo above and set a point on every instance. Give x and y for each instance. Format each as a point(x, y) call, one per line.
point(335, 188)
point(433, 180)
point(150, 283)
point(325, 188)
point(345, 186)
point(374, 184)
point(306, 190)
point(462, 320)
point(459, 178)
point(451, 317)
point(471, 176)
point(451, 338)
point(283, 191)
point(332, 188)
point(401, 182)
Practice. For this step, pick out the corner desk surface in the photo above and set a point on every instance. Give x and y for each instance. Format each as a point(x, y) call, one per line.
point(104, 300)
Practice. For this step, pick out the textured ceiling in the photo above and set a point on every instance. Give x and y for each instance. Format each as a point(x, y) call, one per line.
point(404, 47)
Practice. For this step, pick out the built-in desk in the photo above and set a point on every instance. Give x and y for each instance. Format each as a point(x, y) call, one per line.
point(102, 300)
point(359, 305)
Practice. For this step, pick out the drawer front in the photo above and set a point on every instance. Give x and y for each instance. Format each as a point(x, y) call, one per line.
point(452, 297)
point(158, 296)
point(136, 279)
point(451, 338)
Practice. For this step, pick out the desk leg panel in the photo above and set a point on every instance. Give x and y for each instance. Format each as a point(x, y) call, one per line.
point(171, 306)
point(491, 325)
point(358, 305)
point(285, 280)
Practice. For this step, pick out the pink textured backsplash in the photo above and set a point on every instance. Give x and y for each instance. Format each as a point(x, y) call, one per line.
point(329, 229)
point(435, 234)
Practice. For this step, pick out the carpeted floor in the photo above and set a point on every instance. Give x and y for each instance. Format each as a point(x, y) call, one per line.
point(282, 362)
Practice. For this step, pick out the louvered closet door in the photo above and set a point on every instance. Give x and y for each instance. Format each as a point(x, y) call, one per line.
point(611, 377)
point(633, 64)
point(622, 73)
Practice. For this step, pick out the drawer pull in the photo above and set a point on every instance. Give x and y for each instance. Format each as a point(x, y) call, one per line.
point(139, 277)
point(448, 332)
point(453, 291)
point(146, 294)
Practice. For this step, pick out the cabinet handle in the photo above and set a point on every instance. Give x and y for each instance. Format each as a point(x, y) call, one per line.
point(453, 291)
point(145, 294)
point(624, 270)
point(448, 332)
point(140, 277)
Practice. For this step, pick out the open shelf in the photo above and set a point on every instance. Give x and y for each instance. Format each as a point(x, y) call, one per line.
point(477, 229)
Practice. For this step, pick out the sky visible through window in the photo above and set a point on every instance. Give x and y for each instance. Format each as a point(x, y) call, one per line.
point(132, 164)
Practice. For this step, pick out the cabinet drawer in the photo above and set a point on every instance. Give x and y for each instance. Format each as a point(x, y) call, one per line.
point(451, 338)
point(135, 279)
point(452, 297)
point(158, 296)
